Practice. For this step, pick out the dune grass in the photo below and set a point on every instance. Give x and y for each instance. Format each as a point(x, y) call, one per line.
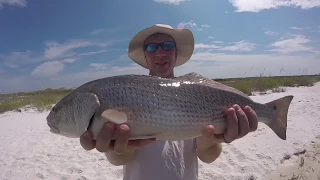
point(44, 99)
point(274, 83)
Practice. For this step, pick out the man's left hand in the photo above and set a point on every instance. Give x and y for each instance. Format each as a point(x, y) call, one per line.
point(239, 123)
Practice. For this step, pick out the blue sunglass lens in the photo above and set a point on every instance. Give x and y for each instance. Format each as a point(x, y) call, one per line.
point(165, 46)
point(152, 47)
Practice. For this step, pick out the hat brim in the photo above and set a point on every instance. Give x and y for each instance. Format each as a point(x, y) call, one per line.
point(183, 37)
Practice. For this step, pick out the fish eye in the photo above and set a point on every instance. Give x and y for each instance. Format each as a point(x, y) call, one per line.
point(274, 107)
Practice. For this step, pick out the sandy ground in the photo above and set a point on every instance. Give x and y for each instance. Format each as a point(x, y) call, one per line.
point(29, 151)
point(303, 164)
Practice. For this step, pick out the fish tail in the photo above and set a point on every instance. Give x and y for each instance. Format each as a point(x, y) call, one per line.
point(279, 123)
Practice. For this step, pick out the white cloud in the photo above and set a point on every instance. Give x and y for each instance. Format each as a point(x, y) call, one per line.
point(220, 65)
point(69, 60)
point(189, 24)
point(19, 3)
point(270, 33)
point(54, 51)
point(15, 57)
point(316, 29)
point(211, 65)
point(99, 66)
point(92, 53)
point(205, 46)
point(217, 42)
point(295, 43)
point(306, 29)
point(192, 25)
point(239, 46)
point(104, 31)
point(171, 2)
point(48, 69)
point(259, 5)
point(205, 25)
point(57, 50)
point(300, 28)
point(214, 41)
point(96, 71)
point(236, 46)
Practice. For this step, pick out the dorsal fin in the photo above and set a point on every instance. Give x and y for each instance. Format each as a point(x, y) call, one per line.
point(192, 77)
point(195, 78)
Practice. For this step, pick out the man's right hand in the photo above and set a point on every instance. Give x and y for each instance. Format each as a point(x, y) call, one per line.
point(104, 143)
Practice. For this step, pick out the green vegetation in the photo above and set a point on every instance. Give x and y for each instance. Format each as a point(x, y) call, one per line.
point(262, 84)
point(44, 99)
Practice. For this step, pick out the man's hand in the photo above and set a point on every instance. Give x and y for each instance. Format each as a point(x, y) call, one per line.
point(239, 123)
point(104, 143)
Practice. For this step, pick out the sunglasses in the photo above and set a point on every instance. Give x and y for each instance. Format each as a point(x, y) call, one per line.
point(153, 47)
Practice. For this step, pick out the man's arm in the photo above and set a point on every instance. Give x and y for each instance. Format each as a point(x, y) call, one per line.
point(129, 153)
point(209, 154)
point(122, 151)
point(239, 123)
point(208, 150)
point(120, 159)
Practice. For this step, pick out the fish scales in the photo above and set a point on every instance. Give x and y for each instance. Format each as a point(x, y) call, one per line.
point(170, 109)
point(138, 96)
point(174, 105)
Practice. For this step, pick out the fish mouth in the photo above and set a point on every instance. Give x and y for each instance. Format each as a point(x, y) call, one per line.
point(53, 129)
point(91, 121)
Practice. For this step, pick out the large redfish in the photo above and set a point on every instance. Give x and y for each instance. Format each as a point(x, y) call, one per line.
point(166, 109)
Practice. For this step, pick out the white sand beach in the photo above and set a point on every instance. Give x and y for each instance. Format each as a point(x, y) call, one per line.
point(29, 151)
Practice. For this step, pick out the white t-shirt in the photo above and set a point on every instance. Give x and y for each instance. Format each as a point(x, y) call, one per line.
point(169, 160)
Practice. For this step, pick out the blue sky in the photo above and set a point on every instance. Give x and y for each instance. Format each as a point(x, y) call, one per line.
point(67, 43)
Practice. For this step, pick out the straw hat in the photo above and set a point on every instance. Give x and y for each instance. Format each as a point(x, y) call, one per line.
point(183, 37)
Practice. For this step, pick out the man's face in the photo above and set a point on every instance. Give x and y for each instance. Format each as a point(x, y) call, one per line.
point(160, 60)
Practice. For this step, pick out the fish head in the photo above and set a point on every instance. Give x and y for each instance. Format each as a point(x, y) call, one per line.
point(58, 115)
point(71, 116)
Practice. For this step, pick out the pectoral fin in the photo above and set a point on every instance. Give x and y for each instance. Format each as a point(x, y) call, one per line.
point(114, 116)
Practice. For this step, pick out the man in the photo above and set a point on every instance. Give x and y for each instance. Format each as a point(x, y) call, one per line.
point(160, 48)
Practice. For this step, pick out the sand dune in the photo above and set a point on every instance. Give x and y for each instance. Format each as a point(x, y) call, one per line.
point(29, 151)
